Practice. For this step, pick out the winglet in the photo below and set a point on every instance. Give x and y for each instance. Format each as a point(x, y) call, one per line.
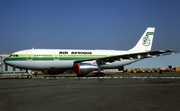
point(145, 42)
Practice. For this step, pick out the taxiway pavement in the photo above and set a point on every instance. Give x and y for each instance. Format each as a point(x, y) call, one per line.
point(82, 94)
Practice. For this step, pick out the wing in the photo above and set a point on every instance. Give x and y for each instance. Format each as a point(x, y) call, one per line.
point(140, 55)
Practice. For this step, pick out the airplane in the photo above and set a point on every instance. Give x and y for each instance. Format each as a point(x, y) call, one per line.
point(83, 62)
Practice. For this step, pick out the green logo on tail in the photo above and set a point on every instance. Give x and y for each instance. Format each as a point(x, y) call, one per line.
point(146, 41)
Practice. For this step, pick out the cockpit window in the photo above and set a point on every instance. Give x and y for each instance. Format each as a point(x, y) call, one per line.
point(15, 55)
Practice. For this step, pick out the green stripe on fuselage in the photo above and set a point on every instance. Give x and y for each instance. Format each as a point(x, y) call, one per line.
point(46, 57)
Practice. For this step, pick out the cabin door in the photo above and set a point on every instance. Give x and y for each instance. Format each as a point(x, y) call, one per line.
point(29, 56)
point(56, 56)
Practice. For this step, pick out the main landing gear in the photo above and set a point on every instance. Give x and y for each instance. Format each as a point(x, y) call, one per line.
point(29, 76)
point(101, 74)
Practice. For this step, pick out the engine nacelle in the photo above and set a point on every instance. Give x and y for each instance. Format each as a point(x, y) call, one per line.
point(84, 68)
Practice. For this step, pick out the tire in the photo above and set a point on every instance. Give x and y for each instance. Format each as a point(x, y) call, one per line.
point(29, 76)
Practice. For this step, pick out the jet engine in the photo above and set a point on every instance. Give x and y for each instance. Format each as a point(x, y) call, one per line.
point(82, 69)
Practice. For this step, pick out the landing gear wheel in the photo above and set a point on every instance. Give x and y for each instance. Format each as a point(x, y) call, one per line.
point(29, 76)
point(101, 74)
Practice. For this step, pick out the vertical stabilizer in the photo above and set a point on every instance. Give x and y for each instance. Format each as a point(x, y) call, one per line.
point(145, 42)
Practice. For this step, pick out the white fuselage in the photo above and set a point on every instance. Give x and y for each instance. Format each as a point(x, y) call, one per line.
point(45, 59)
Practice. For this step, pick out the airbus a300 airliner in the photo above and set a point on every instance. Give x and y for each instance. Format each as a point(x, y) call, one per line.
point(84, 62)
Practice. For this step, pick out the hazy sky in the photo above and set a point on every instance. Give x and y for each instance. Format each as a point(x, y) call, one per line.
point(161, 61)
point(87, 24)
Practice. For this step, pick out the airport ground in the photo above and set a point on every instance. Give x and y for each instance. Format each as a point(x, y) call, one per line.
point(123, 93)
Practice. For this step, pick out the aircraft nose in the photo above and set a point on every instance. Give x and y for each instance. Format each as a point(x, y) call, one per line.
point(4, 60)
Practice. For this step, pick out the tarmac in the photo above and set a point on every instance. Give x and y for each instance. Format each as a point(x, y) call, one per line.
point(90, 94)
